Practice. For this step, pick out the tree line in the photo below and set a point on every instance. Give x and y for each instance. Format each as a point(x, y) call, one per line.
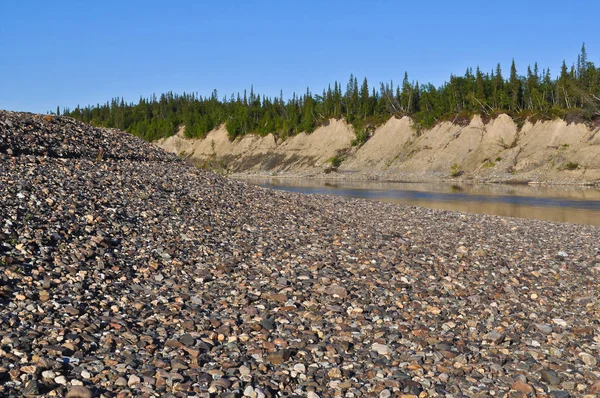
point(573, 94)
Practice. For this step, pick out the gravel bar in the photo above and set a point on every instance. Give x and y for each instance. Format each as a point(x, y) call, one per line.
point(125, 271)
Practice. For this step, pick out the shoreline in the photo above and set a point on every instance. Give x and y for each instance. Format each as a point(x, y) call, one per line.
point(406, 178)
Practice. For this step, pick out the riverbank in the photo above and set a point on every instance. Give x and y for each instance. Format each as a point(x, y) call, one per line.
point(128, 271)
point(506, 179)
point(499, 151)
point(559, 203)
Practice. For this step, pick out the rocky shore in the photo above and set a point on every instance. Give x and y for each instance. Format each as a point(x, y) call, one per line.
point(125, 271)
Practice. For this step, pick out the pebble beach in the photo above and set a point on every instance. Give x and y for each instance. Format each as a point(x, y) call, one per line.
point(125, 271)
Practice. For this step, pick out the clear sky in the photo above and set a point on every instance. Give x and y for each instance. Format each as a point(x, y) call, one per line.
point(69, 52)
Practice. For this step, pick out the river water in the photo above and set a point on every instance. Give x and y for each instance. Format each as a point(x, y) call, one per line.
point(579, 205)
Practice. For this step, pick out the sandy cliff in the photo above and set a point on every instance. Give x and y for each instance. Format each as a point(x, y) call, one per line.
point(548, 151)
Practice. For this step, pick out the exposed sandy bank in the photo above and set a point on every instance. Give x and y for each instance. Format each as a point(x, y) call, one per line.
point(548, 152)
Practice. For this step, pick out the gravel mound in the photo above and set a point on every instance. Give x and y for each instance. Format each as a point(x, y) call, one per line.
point(132, 273)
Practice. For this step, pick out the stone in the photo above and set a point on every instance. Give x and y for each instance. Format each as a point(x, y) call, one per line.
point(187, 340)
point(385, 394)
point(278, 357)
point(249, 392)
point(300, 368)
point(79, 392)
point(381, 349)
point(594, 388)
point(60, 380)
point(48, 374)
point(222, 383)
point(588, 359)
point(337, 291)
point(44, 296)
point(550, 377)
point(546, 329)
point(133, 381)
point(560, 322)
point(31, 389)
point(522, 387)
point(121, 382)
point(334, 373)
point(495, 337)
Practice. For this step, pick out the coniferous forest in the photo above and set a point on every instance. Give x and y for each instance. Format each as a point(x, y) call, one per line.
point(573, 95)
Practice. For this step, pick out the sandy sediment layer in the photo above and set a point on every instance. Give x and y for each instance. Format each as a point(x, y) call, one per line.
point(497, 151)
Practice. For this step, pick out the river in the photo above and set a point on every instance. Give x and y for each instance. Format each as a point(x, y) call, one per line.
point(571, 204)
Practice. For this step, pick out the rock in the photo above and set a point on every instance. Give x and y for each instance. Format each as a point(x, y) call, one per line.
point(280, 298)
point(381, 349)
point(268, 323)
point(222, 383)
point(568, 385)
point(60, 380)
point(550, 377)
point(334, 373)
point(278, 357)
point(259, 393)
point(48, 374)
point(79, 392)
point(249, 392)
point(300, 368)
point(133, 381)
point(494, 337)
point(594, 388)
point(44, 296)
point(244, 370)
point(69, 309)
point(121, 382)
point(522, 387)
point(587, 359)
point(385, 394)
point(337, 291)
point(546, 329)
point(560, 322)
point(31, 389)
point(187, 340)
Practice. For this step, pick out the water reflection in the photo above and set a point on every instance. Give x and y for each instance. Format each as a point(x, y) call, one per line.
point(554, 203)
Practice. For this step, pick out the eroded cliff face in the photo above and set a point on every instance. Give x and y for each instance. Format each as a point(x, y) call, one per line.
point(252, 153)
point(549, 151)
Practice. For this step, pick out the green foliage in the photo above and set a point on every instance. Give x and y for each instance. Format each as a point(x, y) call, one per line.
point(336, 161)
point(571, 166)
point(455, 170)
point(361, 137)
point(574, 96)
point(488, 163)
point(360, 133)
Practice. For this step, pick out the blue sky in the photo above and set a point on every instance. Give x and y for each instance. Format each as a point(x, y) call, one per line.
point(84, 52)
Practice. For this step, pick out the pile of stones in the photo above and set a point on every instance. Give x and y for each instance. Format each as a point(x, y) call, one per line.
point(125, 271)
